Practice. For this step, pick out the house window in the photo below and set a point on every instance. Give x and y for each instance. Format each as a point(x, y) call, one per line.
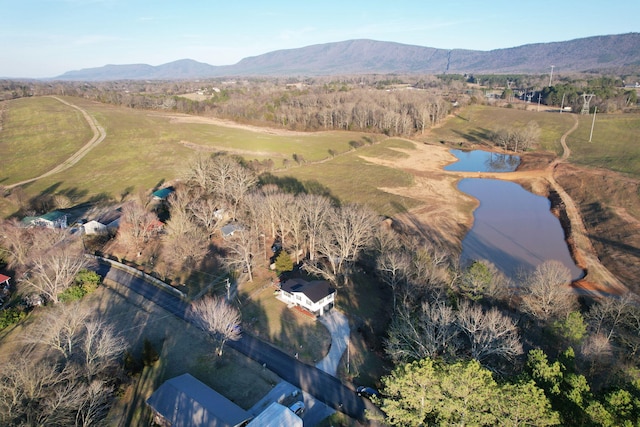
point(298, 297)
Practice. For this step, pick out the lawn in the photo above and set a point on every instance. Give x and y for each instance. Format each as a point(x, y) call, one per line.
point(615, 144)
point(270, 319)
point(475, 123)
point(37, 135)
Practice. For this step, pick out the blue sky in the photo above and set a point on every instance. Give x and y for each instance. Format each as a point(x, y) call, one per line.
point(45, 38)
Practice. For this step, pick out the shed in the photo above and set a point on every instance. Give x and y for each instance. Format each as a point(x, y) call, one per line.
point(162, 193)
point(184, 401)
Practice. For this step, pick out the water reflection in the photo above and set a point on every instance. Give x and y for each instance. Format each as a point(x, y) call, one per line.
point(483, 161)
point(513, 228)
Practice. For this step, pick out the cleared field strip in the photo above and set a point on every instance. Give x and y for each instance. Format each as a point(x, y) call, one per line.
point(99, 135)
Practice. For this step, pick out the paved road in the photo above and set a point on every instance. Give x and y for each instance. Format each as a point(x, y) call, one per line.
point(321, 385)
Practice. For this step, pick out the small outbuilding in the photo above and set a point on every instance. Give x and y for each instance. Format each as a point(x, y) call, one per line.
point(93, 227)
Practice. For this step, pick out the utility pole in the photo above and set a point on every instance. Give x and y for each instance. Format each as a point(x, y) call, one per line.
point(539, 96)
point(593, 122)
point(551, 75)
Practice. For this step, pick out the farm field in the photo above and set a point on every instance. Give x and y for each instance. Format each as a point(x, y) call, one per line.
point(615, 144)
point(473, 126)
point(395, 176)
point(143, 149)
point(38, 134)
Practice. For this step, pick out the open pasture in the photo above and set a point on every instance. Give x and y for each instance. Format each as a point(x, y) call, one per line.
point(141, 149)
point(355, 180)
point(615, 144)
point(38, 134)
point(475, 123)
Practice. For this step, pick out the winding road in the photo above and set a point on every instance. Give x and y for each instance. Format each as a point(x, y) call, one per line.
point(312, 380)
point(99, 135)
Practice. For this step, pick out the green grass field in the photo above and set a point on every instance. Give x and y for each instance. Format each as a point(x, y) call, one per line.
point(38, 134)
point(475, 123)
point(615, 144)
point(144, 148)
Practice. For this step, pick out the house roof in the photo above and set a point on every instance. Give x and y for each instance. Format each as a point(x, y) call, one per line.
point(229, 229)
point(49, 216)
point(315, 290)
point(163, 193)
point(186, 402)
point(276, 415)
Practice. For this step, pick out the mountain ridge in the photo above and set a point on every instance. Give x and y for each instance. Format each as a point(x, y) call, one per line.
point(365, 56)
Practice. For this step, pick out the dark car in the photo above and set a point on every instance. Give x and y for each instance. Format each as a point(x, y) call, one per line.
point(367, 392)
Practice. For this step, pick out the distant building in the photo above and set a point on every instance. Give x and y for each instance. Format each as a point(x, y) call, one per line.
point(93, 227)
point(163, 193)
point(53, 219)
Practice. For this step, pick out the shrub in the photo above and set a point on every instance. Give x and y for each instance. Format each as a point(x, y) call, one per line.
point(72, 293)
point(10, 316)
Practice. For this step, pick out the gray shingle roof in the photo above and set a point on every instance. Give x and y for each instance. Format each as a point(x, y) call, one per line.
point(186, 402)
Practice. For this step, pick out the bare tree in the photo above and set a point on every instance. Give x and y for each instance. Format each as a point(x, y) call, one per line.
point(316, 211)
point(430, 332)
point(239, 182)
point(184, 242)
point(101, 346)
point(137, 225)
point(348, 230)
point(392, 267)
point(295, 219)
point(207, 213)
point(53, 272)
point(19, 245)
point(239, 247)
point(490, 333)
point(199, 171)
point(546, 293)
point(217, 317)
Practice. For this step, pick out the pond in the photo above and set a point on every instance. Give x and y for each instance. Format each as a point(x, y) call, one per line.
point(483, 161)
point(513, 228)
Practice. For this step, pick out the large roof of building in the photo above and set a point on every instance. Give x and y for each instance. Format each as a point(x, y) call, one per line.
point(186, 402)
point(276, 415)
point(314, 290)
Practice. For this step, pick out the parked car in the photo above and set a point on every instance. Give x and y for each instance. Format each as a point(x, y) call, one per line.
point(297, 407)
point(367, 392)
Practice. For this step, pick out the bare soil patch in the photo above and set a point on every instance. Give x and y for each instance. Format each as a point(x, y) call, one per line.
point(445, 213)
point(609, 204)
point(184, 118)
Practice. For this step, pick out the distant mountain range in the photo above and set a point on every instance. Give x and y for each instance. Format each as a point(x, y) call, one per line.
point(370, 56)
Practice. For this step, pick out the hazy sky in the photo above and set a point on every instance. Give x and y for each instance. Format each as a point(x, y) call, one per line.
point(45, 38)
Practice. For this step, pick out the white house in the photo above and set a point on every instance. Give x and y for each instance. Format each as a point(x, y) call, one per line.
point(316, 296)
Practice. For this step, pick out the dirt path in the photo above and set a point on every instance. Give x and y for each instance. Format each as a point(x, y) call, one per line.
point(99, 135)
